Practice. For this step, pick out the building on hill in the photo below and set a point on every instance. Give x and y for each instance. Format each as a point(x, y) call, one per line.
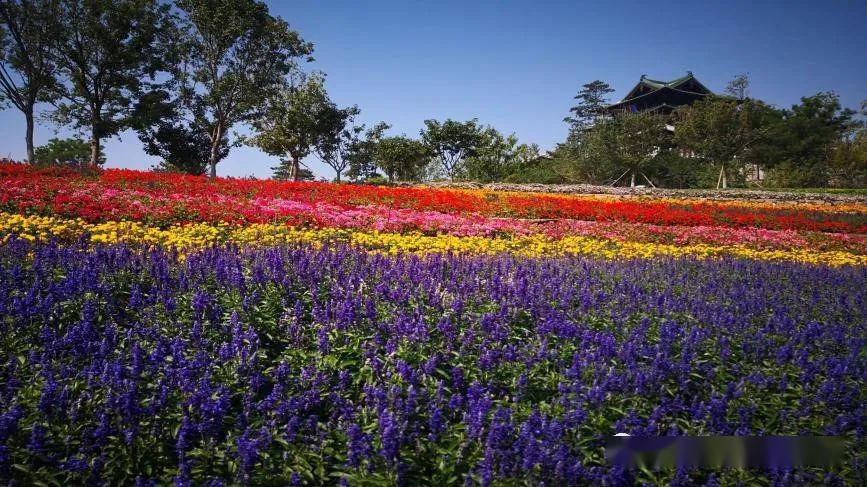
point(661, 96)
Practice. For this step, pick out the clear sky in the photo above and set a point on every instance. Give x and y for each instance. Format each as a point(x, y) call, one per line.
point(517, 65)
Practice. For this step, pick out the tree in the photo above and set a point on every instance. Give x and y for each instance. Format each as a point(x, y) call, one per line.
point(165, 133)
point(27, 32)
point(182, 149)
point(451, 143)
point(236, 57)
point(339, 139)
point(541, 169)
point(282, 173)
point(847, 164)
point(592, 100)
point(294, 121)
point(497, 156)
point(626, 144)
point(801, 142)
point(362, 160)
point(721, 132)
point(738, 87)
point(570, 162)
point(106, 50)
point(402, 158)
point(59, 151)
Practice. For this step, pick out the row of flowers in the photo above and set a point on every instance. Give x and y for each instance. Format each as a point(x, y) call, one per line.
point(165, 199)
point(301, 366)
point(200, 235)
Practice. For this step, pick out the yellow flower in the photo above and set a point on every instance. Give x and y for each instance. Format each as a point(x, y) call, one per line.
point(200, 235)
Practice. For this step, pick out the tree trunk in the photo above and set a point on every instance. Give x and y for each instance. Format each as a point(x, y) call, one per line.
point(28, 137)
point(212, 161)
point(723, 176)
point(95, 111)
point(296, 168)
point(215, 150)
point(94, 145)
point(632, 180)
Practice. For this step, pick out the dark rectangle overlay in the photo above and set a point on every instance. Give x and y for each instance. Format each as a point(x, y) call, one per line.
point(689, 452)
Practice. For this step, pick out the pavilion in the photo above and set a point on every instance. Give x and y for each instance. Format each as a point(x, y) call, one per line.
point(661, 96)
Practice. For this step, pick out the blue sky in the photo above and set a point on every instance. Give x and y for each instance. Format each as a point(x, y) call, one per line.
point(517, 65)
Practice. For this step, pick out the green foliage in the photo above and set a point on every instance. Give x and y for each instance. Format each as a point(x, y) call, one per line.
point(106, 51)
point(339, 138)
point(235, 56)
point(674, 170)
point(282, 172)
point(27, 33)
point(592, 100)
point(573, 164)
point(497, 157)
point(401, 158)
point(376, 180)
point(164, 133)
point(803, 140)
point(625, 147)
point(362, 160)
point(295, 119)
point(540, 169)
point(721, 132)
point(452, 143)
point(847, 164)
point(63, 151)
point(181, 148)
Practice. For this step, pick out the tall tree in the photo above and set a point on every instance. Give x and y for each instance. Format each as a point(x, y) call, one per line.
point(497, 156)
point(452, 142)
point(362, 161)
point(294, 121)
point(592, 100)
point(236, 56)
point(339, 138)
point(106, 51)
point(721, 132)
point(165, 133)
point(281, 172)
point(402, 158)
point(739, 87)
point(27, 33)
point(181, 148)
point(627, 144)
point(802, 141)
point(59, 151)
point(847, 163)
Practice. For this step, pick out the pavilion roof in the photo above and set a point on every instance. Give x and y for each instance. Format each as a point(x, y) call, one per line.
point(682, 89)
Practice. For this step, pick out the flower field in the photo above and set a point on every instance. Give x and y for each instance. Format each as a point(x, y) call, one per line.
point(161, 329)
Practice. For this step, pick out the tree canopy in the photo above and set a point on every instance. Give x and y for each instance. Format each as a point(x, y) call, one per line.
point(497, 156)
point(402, 158)
point(627, 145)
point(451, 143)
point(61, 151)
point(106, 51)
point(28, 33)
point(294, 121)
point(592, 100)
point(339, 138)
point(721, 132)
point(235, 56)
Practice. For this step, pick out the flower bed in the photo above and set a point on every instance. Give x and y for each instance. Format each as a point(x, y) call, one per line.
point(168, 198)
point(164, 329)
point(296, 365)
